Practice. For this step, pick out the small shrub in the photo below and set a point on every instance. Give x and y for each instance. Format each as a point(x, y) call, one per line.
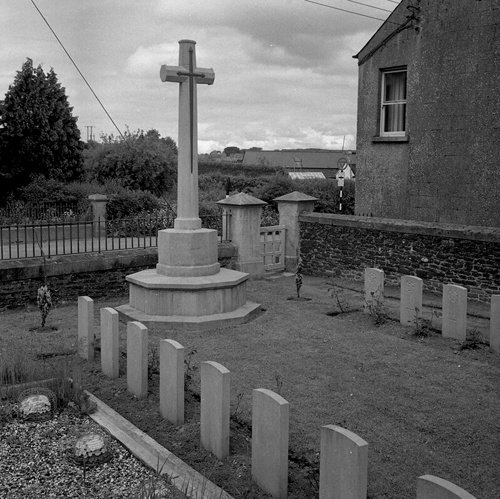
point(44, 302)
point(376, 307)
point(338, 300)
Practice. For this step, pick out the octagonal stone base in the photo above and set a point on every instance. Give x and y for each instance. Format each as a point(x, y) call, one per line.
point(202, 302)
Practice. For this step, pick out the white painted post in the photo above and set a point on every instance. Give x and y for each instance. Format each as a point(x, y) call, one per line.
point(110, 348)
point(137, 359)
point(172, 381)
point(214, 409)
point(454, 312)
point(495, 323)
point(270, 433)
point(411, 300)
point(432, 487)
point(86, 327)
point(374, 288)
point(344, 464)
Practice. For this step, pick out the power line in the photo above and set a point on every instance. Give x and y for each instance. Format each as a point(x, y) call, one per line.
point(77, 68)
point(368, 5)
point(349, 11)
point(392, 1)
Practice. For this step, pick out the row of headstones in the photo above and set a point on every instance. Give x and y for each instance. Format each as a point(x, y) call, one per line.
point(454, 305)
point(344, 455)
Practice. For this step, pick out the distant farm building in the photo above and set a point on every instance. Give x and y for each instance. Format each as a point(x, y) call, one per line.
point(306, 161)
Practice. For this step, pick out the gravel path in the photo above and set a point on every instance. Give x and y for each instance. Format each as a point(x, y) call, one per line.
point(34, 463)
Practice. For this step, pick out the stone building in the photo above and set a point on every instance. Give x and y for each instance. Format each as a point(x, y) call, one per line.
point(428, 139)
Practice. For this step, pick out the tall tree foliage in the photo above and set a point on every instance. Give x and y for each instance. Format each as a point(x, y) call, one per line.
point(38, 133)
point(140, 160)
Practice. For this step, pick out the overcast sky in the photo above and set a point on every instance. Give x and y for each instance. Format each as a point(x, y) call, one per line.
point(284, 72)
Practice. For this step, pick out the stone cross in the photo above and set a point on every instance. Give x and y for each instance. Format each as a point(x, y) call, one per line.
point(188, 76)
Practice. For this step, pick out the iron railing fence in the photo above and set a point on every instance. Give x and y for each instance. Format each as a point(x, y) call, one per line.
point(44, 212)
point(64, 238)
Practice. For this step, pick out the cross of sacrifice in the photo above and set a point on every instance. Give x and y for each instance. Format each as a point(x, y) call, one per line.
point(187, 75)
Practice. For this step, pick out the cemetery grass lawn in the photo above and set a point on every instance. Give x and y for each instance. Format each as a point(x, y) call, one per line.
point(423, 405)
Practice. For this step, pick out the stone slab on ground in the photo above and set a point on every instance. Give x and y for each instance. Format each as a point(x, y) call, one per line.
point(151, 453)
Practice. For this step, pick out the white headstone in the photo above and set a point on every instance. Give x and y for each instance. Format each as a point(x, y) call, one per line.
point(172, 381)
point(433, 487)
point(214, 408)
point(374, 288)
point(137, 359)
point(454, 321)
point(343, 464)
point(495, 323)
point(86, 327)
point(270, 433)
point(411, 300)
point(110, 348)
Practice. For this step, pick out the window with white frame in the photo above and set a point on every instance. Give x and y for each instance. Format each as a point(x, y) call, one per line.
point(393, 102)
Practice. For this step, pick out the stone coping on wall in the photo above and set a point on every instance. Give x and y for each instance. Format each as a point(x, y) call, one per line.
point(33, 268)
point(443, 230)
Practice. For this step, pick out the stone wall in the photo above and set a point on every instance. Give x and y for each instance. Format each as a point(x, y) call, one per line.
point(343, 246)
point(94, 274)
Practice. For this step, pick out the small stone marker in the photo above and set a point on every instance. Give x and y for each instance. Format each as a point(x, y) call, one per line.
point(214, 409)
point(137, 359)
point(344, 464)
point(110, 349)
point(270, 429)
point(172, 381)
point(91, 450)
point(454, 312)
point(495, 323)
point(432, 487)
point(86, 327)
point(374, 288)
point(411, 300)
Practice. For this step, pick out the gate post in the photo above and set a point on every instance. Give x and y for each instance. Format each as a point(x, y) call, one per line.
point(98, 205)
point(244, 228)
point(290, 206)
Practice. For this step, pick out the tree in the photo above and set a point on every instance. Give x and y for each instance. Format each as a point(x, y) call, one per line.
point(38, 133)
point(140, 160)
point(229, 150)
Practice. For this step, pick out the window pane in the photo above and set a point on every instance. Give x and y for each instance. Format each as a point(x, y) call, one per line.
point(394, 118)
point(395, 87)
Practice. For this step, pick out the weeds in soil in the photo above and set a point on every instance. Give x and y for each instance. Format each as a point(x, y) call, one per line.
point(153, 361)
point(424, 327)
point(376, 308)
point(474, 340)
point(339, 301)
point(279, 383)
point(239, 398)
point(189, 368)
point(153, 487)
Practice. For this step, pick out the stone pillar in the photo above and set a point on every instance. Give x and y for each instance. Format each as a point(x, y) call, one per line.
point(244, 228)
point(290, 206)
point(98, 204)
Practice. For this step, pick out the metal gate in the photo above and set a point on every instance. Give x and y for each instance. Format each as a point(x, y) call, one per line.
point(272, 246)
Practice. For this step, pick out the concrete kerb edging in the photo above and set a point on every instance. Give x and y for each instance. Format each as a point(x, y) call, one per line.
point(151, 453)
